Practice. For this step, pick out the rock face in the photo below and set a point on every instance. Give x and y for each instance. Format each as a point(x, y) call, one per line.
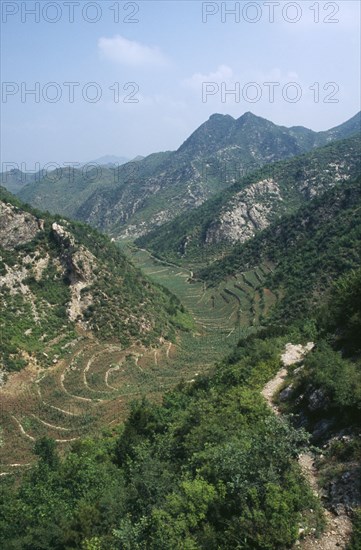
point(317, 401)
point(60, 280)
point(16, 226)
point(79, 264)
point(249, 211)
point(78, 261)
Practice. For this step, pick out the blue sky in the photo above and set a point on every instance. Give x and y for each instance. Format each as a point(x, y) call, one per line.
point(177, 61)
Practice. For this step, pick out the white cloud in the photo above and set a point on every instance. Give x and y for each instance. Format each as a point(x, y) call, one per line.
point(129, 52)
point(222, 73)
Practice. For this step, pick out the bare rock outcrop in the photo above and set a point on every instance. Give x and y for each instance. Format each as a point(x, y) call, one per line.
point(249, 211)
point(79, 264)
point(16, 226)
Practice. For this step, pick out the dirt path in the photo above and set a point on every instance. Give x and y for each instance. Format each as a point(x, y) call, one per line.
point(271, 387)
point(338, 529)
point(52, 426)
point(109, 371)
point(168, 349)
point(22, 429)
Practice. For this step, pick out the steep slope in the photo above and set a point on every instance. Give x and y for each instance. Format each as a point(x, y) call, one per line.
point(147, 193)
point(58, 278)
point(302, 254)
point(253, 203)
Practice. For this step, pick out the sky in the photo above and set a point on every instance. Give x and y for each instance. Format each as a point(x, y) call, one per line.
point(85, 79)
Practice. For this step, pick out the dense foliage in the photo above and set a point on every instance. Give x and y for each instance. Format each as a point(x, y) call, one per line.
point(210, 468)
point(333, 371)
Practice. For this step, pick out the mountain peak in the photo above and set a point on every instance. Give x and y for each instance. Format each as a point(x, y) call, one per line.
point(248, 115)
point(218, 116)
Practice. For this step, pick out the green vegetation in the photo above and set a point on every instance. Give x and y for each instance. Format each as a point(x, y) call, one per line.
point(210, 468)
point(120, 304)
point(355, 543)
point(185, 239)
point(333, 369)
point(307, 251)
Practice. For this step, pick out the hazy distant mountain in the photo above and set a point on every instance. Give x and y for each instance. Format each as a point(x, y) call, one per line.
point(14, 180)
point(108, 160)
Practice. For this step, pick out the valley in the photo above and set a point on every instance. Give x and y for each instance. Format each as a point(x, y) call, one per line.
point(200, 383)
point(180, 275)
point(91, 387)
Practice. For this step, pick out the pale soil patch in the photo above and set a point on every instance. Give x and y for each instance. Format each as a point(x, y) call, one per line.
point(17, 382)
point(294, 353)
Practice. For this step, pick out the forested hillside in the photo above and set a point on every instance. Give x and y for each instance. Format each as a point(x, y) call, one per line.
point(253, 203)
point(304, 251)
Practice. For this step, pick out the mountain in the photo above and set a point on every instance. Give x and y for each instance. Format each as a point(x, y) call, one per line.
point(14, 180)
point(211, 466)
point(107, 160)
point(253, 203)
point(254, 140)
point(67, 191)
point(59, 279)
point(140, 195)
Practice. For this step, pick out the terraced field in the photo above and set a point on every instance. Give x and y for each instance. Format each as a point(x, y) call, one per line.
point(84, 394)
point(92, 388)
point(222, 315)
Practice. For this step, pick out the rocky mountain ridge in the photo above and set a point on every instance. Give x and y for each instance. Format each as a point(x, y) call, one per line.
point(256, 201)
point(140, 195)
